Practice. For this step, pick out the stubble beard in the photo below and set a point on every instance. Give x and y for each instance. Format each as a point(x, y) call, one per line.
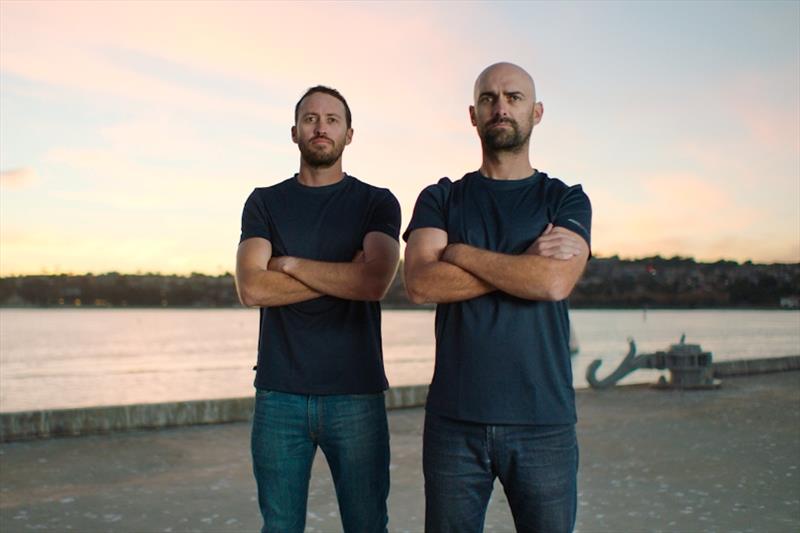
point(511, 140)
point(321, 158)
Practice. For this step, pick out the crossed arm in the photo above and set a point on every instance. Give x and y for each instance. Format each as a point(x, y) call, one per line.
point(441, 273)
point(266, 281)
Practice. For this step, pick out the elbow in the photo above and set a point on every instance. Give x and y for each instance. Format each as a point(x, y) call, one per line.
point(373, 288)
point(247, 301)
point(557, 290)
point(415, 297)
point(375, 293)
point(246, 297)
point(414, 294)
point(415, 286)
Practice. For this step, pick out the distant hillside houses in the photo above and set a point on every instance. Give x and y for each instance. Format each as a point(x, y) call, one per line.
point(608, 282)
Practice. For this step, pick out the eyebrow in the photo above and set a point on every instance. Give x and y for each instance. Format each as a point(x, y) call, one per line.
point(506, 93)
point(309, 113)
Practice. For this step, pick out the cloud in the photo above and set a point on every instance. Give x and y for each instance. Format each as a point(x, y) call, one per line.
point(688, 215)
point(162, 110)
point(17, 178)
point(154, 52)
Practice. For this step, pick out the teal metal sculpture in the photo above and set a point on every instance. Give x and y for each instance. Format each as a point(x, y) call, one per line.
point(690, 367)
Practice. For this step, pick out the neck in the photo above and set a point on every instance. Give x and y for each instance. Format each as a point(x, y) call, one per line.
point(320, 176)
point(506, 165)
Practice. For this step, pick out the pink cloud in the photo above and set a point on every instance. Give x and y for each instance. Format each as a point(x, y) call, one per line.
point(684, 214)
point(68, 44)
point(17, 178)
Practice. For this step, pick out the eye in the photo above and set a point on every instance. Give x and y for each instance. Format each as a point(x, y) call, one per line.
point(332, 120)
point(516, 97)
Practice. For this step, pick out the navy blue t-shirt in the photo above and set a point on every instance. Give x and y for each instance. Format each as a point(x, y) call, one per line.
point(327, 345)
point(501, 359)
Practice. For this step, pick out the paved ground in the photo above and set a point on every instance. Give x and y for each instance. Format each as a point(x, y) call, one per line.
point(725, 460)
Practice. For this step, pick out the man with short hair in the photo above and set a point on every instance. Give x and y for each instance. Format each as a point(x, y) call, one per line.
point(317, 252)
point(499, 251)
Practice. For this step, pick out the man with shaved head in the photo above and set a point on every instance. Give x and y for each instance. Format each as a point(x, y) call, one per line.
point(499, 251)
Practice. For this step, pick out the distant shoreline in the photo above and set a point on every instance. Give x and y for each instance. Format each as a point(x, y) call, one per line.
point(652, 283)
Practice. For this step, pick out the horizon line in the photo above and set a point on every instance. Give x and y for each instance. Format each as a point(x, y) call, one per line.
point(229, 273)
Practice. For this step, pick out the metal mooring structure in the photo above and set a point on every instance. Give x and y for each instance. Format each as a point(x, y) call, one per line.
point(689, 367)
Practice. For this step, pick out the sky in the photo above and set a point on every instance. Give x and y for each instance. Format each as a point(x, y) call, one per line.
point(132, 133)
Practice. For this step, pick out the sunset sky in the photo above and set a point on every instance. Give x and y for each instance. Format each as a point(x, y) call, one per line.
point(131, 133)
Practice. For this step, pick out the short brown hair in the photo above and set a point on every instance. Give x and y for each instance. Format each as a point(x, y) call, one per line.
point(329, 91)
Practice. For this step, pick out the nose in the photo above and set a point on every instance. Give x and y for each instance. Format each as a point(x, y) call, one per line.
point(320, 129)
point(500, 108)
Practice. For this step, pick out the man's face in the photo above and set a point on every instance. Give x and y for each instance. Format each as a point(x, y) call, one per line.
point(321, 131)
point(505, 109)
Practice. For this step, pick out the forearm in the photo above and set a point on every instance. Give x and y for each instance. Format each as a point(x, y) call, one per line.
point(272, 289)
point(527, 276)
point(359, 280)
point(441, 282)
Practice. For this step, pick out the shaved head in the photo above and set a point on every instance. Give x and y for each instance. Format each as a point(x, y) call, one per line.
point(504, 70)
point(505, 109)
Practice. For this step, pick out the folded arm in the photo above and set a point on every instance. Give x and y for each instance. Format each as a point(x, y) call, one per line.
point(430, 280)
point(530, 275)
point(257, 286)
point(366, 278)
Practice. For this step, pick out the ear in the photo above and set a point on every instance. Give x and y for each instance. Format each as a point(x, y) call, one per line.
point(348, 137)
point(538, 111)
point(294, 134)
point(472, 115)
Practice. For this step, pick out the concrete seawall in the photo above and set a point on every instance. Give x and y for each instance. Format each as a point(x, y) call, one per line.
point(748, 367)
point(108, 419)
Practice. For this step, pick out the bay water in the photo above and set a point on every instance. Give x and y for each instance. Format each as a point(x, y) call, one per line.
point(64, 358)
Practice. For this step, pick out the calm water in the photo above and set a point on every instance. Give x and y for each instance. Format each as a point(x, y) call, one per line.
point(84, 357)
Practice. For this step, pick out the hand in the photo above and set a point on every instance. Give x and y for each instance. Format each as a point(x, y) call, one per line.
point(281, 264)
point(556, 243)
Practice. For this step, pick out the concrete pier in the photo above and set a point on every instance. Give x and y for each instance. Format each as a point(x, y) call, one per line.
point(115, 418)
point(677, 461)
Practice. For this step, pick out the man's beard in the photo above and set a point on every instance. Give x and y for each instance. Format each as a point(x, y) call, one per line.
point(320, 158)
point(504, 139)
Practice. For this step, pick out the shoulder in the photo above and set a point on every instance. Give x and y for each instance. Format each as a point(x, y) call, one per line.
point(377, 195)
point(557, 190)
point(265, 192)
point(442, 188)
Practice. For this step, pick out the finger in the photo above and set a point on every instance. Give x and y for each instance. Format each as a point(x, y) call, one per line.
point(550, 243)
point(560, 248)
point(558, 241)
point(549, 238)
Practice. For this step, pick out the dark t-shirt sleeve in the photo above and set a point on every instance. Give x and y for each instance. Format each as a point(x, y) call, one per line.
point(386, 217)
point(575, 213)
point(255, 219)
point(429, 209)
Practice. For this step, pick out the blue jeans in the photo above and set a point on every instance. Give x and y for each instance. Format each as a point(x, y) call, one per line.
point(537, 466)
point(353, 433)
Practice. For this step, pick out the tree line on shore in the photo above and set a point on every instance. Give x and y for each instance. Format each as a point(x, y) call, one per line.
point(607, 282)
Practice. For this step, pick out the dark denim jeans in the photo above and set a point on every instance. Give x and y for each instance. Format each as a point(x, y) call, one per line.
point(353, 433)
point(537, 466)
